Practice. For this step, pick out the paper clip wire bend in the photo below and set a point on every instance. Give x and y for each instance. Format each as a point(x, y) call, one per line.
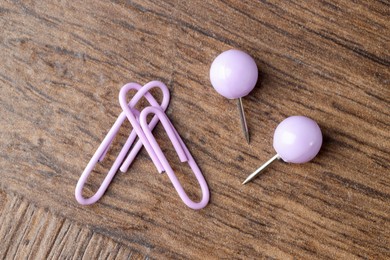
point(182, 152)
point(104, 146)
point(145, 135)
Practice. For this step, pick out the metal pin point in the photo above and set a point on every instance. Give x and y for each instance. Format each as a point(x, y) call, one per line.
point(250, 177)
point(243, 119)
point(234, 74)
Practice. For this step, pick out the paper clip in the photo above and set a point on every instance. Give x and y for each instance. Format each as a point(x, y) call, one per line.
point(143, 131)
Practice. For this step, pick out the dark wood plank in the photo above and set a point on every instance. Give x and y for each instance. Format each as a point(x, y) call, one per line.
point(62, 65)
point(30, 232)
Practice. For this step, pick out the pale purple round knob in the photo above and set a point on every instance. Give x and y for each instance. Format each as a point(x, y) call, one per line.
point(297, 139)
point(233, 74)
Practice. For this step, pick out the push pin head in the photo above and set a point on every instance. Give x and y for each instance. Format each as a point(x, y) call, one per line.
point(297, 139)
point(234, 74)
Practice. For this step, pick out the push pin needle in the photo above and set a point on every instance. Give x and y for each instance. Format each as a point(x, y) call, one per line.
point(250, 177)
point(243, 119)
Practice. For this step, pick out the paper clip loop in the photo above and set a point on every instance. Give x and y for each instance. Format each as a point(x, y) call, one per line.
point(104, 146)
point(144, 132)
point(151, 145)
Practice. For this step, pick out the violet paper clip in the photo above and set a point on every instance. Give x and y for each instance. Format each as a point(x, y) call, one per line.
point(143, 131)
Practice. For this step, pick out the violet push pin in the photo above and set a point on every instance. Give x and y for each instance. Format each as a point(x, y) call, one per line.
point(297, 139)
point(233, 74)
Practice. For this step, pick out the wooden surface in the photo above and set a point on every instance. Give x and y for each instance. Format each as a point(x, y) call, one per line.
point(62, 64)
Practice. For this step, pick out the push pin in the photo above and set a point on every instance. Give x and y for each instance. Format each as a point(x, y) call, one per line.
point(297, 139)
point(234, 74)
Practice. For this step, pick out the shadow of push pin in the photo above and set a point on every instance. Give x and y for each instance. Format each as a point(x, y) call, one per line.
point(234, 74)
point(297, 139)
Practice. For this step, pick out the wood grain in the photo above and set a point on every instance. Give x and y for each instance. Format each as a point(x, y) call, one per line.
point(30, 232)
point(62, 64)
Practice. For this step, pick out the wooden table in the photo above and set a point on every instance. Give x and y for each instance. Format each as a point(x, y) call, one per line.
point(62, 64)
